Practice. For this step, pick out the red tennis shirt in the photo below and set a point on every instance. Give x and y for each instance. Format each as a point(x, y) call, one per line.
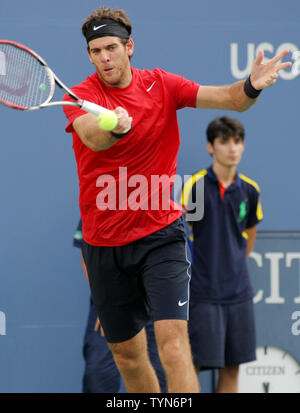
point(122, 197)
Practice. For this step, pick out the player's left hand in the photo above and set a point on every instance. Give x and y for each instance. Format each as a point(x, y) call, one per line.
point(265, 74)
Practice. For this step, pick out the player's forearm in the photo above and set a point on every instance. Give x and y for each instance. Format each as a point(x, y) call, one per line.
point(99, 141)
point(241, 95)
point(231, 97)
point(92, 136)
point(240, 101)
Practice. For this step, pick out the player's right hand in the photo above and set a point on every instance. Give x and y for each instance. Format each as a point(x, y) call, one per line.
point(124, 120)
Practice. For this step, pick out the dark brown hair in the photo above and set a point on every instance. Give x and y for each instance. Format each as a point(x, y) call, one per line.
point(224, 127)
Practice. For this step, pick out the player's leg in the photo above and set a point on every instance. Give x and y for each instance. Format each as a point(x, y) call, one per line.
point(228, 379)
point(166, 282)
point(175, 353)
point(133, 362)
point(120, 305)
point(154, 357)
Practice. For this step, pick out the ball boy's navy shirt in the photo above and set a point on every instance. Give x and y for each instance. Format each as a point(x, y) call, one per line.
point(219, 268)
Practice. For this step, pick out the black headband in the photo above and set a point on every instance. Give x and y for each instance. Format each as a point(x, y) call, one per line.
point(106, 27)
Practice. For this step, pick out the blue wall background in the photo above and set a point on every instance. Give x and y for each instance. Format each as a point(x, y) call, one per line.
point(43, 294)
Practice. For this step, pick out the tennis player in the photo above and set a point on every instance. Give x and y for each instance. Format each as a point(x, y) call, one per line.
point(135, 246)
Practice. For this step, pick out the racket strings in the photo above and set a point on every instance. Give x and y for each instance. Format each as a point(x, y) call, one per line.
point(24, 82)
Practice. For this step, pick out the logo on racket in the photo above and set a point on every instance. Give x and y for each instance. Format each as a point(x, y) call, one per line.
point(2, 64)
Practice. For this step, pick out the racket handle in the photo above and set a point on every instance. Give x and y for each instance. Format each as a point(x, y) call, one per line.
point(93, 108)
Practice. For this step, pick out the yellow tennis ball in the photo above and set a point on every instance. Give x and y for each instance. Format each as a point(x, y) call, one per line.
point(108, 120)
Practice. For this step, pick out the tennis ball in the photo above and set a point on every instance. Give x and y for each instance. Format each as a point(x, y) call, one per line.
point(107, 120)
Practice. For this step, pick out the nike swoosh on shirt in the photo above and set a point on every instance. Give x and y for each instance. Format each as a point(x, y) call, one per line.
point(99, 27)
point(149, 88)
point(182, 303)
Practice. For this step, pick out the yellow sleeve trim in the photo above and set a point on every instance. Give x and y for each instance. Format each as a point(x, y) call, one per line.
point(188, 185)
point(250, 181)
point(259, 212)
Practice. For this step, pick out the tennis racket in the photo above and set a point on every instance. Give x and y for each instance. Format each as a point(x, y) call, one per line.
point(27, 82)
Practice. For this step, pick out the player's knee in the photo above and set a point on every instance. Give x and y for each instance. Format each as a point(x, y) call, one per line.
point(126, 361)
point(172, 341)
point(171, 352)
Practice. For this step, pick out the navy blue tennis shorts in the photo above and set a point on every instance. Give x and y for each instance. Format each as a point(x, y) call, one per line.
point(134, 283)
point(222, 334)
